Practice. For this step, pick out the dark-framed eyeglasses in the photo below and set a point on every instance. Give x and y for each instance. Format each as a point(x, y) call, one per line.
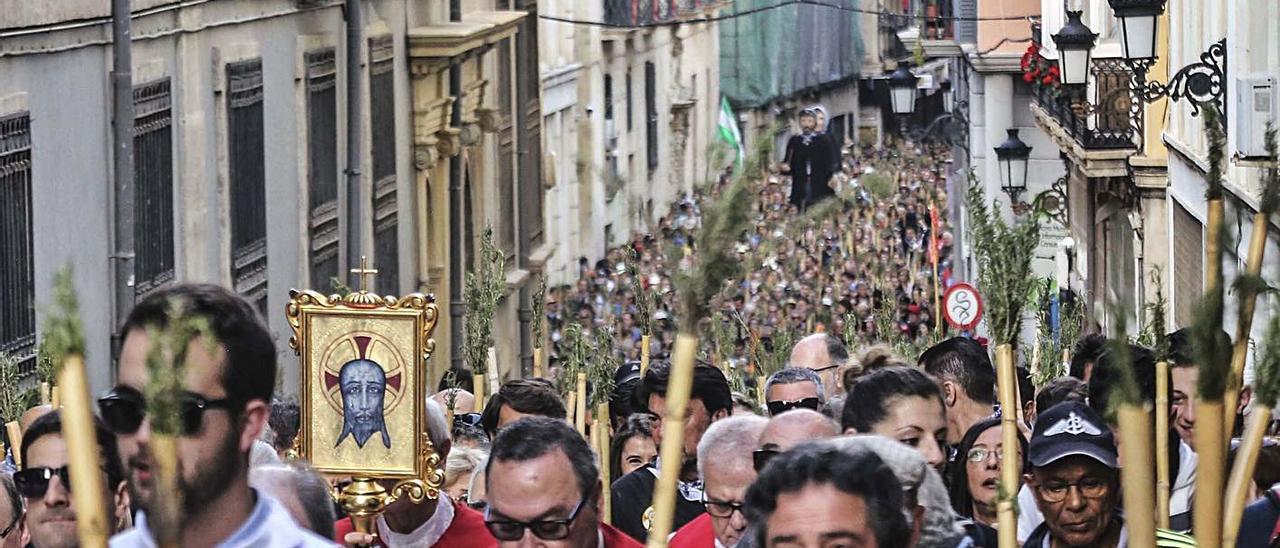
point(17, 518)
point(760, 458)
point(548, 529)
point(123, 409)
point(33, 482)
point(779, 407)
point(721, 508)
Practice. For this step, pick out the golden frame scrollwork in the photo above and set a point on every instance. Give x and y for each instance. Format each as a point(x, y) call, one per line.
point(396, 333)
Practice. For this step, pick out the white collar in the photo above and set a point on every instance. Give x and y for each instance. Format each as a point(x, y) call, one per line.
point(426, 534)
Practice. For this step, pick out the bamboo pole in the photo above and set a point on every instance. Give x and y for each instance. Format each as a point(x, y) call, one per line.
point(671, 452)
point(537, 361)
point(82, 450)
point(1135, 473)
point(14, 431)
point(1162, 444)
point(55, 396)
point(601, 425)
point(45, 394)
point(1253, 269)
point(166, 523)
point(580, 405)
point(1007, 517)
point(644, 354)
point(760, 380)
point(481, 396)
point(1242, 473)
point(1207, 519)
point(571, 406)
point(491, 370)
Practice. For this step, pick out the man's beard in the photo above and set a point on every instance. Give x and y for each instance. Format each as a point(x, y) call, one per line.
point(214, 475)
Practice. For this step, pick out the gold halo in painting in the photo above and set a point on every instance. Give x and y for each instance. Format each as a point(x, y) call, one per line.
point(361, 345)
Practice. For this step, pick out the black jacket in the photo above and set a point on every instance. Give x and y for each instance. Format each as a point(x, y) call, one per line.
point(632, 496)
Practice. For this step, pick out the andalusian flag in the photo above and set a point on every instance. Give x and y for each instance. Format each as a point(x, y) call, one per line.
point(729, 129)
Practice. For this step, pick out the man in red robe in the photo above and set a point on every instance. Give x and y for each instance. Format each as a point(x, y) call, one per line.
point(544, 489)
point(440, 523)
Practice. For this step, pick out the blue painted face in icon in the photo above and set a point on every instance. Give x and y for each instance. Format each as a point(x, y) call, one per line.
point(364, 386)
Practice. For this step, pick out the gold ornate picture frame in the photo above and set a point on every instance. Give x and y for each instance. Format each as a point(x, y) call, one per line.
point(364, 383)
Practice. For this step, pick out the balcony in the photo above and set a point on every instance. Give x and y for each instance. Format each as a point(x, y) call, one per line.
point(639, 13)
point(1106, 117)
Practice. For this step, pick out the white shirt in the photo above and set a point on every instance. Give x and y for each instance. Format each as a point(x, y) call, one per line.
point(426, 534)
point(268, 526)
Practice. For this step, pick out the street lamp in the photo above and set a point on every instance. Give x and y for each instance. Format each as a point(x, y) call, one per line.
point(1075, 45)
point(1013, 155)
point(1138, 26)
point(948, 101)
point(902, 89)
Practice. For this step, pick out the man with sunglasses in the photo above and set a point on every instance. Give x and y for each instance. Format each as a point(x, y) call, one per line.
point(45, 484)
point(544, 489)
point(1074, 477)
point(793, 388)
point(726, 470)
point(826, 355)
point(14, 533)
point(224, 407)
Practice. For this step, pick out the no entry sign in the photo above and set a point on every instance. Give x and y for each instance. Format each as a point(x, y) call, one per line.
point(962, 306)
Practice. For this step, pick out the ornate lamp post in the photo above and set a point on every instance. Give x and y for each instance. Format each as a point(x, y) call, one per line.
point(902, 90)
point(1075, 46)
point(1013, 155)
point(1138, 19)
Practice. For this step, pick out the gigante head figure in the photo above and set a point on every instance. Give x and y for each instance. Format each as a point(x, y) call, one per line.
point(363, 384)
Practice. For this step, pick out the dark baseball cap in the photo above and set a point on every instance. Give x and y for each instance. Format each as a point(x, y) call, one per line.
point(627, 372)
point(1071, 428)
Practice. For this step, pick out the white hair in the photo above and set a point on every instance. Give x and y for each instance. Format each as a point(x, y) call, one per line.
point(730, 441)
point(941, 527)
point(437, 429)
point(462, 462)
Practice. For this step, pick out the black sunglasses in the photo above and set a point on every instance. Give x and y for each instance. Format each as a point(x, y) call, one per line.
point(760, 458)
point(549, 529)
point(779, 407)
point(466, 419)
point(123, 409)
point(33, 482)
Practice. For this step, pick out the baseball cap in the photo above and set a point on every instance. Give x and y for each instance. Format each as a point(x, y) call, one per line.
point(628, 371)
point(1071, 428)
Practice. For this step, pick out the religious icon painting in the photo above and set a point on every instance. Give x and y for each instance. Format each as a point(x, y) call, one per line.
point(363, 386)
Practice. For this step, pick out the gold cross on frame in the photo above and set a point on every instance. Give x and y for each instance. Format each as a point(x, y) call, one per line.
point(364, 272)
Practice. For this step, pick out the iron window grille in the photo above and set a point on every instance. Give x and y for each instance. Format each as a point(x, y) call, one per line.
point(247, 185)
point(322, 168)
point(382, 111)
point(17, 265)
point(153, 232)
point(651, 114)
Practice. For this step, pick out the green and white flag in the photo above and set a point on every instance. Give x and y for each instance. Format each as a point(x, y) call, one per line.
point(729, 129)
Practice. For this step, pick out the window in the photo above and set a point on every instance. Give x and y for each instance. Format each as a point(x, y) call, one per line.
point(322, 168)
point(247, 185)
point(17, 267)
point(153, 179)
point(506, 222)
point(651, 114)
point(630, 124)
point(608, 97)
point(382, 112)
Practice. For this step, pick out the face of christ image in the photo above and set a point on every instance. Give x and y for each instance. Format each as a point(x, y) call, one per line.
point(363, 385)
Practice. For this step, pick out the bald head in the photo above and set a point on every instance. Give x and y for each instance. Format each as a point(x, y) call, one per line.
point(30, 415)
point(824, 354)
point(463, 401)
point(795, 427)
point(728, 443)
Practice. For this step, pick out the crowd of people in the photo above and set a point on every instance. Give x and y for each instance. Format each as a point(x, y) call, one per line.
point(863, 449)
point(854, 261)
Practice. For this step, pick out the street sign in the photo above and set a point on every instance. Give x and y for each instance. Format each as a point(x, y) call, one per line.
point(962, 306)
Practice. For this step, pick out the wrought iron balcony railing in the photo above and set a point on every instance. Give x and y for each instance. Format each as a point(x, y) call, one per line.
point(1110, 119)
point(638, 13)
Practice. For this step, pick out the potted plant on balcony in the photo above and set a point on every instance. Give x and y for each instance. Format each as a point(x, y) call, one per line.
point(1041, 73)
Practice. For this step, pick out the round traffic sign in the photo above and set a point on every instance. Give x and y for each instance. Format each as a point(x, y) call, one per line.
point(962, 306)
